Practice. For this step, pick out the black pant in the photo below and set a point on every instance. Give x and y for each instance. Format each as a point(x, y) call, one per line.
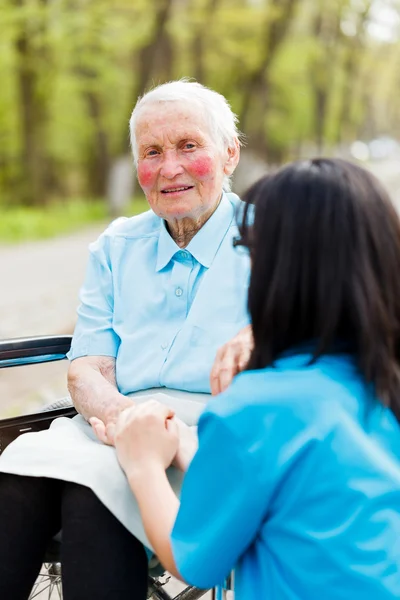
point(100, 559)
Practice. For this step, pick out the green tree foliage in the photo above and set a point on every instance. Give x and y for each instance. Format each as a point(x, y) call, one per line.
point(301, 74)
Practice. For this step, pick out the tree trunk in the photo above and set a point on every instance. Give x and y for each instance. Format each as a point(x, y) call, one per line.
point(326, 29)
point(351, 68)
point(148, 60)
point(100, 164)
point(199, 40)
point(274, 35)
point(99, 155)
point(36, 175)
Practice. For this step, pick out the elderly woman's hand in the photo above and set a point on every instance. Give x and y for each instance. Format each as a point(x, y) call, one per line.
point(104, 430)
point(231, 358)
point(144, 436)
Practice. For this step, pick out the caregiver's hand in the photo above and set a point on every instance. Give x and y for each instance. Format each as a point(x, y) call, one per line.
point(145, 436)
point(231, 358)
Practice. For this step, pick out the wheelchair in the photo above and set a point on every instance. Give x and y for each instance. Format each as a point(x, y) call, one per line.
point(32, 350)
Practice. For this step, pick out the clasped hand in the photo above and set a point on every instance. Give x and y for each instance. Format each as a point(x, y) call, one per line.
point(148, 434)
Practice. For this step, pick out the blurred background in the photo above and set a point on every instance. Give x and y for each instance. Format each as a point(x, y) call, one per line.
point(305, 77)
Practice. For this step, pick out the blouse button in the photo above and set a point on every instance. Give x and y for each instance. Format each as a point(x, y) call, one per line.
point(178, 292)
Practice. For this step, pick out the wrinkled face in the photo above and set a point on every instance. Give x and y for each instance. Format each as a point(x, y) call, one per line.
point(180, 167)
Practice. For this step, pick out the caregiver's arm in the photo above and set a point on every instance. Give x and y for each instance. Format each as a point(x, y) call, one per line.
point(93, 388)
point(146, 438)
point(158, 507)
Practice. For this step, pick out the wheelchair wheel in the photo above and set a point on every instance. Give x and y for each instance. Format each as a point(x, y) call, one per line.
point(48, 584)
point(48, 587)
point(157, 591)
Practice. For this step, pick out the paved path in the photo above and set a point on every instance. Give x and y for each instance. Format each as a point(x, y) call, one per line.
point(40, 283)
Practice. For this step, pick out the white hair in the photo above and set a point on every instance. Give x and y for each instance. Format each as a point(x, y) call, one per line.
point(221, 119)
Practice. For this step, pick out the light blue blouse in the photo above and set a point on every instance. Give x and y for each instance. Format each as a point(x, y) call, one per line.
point(297, 483)
point(161, 311)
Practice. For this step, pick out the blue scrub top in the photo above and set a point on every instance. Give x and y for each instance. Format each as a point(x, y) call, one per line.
point(296, 483)
point(162, 311)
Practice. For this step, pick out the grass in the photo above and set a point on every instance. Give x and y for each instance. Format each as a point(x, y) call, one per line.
point(19, 224)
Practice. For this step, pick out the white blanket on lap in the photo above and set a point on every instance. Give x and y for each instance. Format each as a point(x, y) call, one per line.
point(70, 451)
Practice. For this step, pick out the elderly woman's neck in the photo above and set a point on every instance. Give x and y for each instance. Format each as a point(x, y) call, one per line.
point(183, 231)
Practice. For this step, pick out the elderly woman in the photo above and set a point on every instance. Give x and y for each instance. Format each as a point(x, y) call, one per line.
point(163, 291)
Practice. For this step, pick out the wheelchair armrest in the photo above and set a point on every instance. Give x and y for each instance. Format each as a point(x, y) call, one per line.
point(30, 350)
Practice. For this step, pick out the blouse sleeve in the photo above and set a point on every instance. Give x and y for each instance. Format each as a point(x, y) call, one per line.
point(220, 509)
point(94, 334)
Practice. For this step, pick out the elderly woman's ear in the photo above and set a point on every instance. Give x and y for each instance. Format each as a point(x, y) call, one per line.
point(233, 155)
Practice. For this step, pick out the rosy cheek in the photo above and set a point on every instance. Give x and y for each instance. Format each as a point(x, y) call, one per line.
point(146, 175)
point(202, 167)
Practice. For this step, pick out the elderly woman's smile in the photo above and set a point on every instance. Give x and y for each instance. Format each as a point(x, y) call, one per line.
point(181, 167)
point(176, 190)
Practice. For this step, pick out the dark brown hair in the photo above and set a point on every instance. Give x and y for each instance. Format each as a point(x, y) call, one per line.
point(325, 249)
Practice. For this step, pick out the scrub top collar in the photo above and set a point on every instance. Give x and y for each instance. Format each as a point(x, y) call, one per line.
point(204, 246)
